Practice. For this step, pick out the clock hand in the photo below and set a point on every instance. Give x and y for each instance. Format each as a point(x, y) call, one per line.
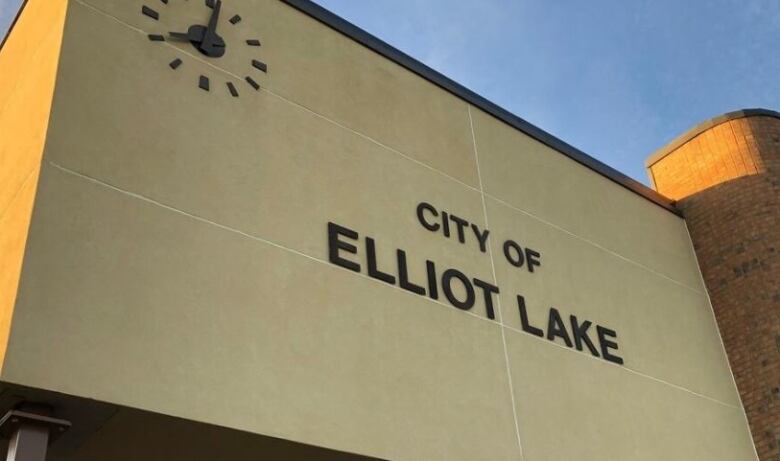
point(193, 35)
point(211, 30)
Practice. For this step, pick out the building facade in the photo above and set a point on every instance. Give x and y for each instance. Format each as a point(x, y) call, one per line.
point(249, 229)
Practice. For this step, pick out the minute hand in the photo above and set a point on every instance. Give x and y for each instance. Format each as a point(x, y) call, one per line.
point(211, 31)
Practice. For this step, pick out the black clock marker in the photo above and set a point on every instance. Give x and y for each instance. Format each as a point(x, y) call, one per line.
point(156, 38)
point(253, 42)
point(235, 19)
point(232, 89)
point(150, 12)
point(175, 63)
point(254, 84)
point(259, 65)
point(204, 83)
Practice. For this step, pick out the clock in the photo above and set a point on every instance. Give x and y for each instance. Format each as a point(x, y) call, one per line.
point(205, 38)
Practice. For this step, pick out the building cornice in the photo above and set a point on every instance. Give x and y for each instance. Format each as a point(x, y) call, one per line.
point(704, 126)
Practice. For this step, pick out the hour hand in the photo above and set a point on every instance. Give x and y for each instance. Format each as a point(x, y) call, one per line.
point(194, 34)
point(180, 35)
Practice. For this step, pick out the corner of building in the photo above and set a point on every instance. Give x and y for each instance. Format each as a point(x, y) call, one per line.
point(723, 174)
point(31, 48)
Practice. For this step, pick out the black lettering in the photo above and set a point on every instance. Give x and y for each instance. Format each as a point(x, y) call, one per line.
point(462, 224)
point(445, 223)
point(373, 270)
point(533, 259)
point(580, 333)
point(555, 327)
point(607, 344)
point(526, 325)
point(488, 291)
point(403, 275)
point(433, 286)
point(446, 284)
point(335, 245)
point(482, 237)
point(513, 253)
point(421, 216)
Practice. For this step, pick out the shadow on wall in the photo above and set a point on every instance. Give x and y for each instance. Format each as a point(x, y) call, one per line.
point(101, 431)
point(137, 435)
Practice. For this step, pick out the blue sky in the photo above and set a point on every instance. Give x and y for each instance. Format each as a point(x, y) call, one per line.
point(615, 78)
point(8, 10)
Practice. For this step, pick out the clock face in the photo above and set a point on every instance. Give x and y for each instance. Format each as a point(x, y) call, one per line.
point(203, 36)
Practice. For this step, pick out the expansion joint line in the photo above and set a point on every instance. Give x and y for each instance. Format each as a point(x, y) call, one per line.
point(495, 281)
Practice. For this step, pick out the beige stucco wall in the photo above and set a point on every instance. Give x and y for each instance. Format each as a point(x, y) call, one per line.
point(178, 259)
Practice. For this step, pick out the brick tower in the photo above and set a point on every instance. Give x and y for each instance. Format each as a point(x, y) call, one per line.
point(725, 176)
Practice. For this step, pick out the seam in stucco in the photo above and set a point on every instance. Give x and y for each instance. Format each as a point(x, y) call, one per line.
point(592, 243)
point(625, 368)
point(247, 235)
point(495, 281)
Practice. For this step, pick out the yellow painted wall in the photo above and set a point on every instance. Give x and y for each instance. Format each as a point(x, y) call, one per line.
point(28, 66)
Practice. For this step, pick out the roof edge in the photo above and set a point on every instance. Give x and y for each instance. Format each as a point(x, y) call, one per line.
point(386, 50)
point(661, 153)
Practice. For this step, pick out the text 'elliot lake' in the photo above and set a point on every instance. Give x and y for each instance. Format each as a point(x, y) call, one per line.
point(347, 249)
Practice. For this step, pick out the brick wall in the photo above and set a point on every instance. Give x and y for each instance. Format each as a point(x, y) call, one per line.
point(726, 179)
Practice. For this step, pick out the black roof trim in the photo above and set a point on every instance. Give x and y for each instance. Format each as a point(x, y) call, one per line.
point(364, 38)
point(704, 126)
